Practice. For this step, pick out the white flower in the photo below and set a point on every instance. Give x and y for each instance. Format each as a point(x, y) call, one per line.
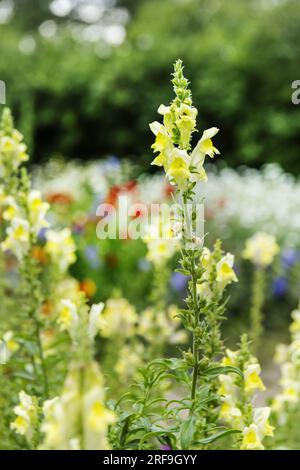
point(94, 317)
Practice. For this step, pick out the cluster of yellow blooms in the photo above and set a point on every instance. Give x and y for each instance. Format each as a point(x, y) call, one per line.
point(225, 274)
point(261, 249)
point(26, 415)
point(160, 241)
point(78, 419)
point(61, 247)
point(237, 409)
point(172, 138)
point(13, 152)
point(23, 222)
point(288, 357)
point(161, 326)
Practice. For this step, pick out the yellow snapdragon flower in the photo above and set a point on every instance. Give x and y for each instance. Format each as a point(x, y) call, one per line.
point(17, 238)
point(225, 272)
point(295, 325)
point(252, 378)
point(178, 170)
point(160, 241)
point(203, 148)
point(227, 386)
point(230, 359)
point(229, 412)
point(27, 414)
point(254, 434)
point(67, 315)
point(11, 345)
point(118, 318)
point(61, 247)
point(261, 249)
point(251, 439)
point(13, 152)
point(37, 211)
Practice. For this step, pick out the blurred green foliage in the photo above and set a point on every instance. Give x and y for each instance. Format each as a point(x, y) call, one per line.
point(86, 99)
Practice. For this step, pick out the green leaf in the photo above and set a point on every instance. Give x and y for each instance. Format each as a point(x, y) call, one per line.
point(219, 435)
point(187, 430)
point(216, 371)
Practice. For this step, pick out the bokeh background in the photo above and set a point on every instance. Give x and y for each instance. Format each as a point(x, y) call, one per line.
point(84, 77)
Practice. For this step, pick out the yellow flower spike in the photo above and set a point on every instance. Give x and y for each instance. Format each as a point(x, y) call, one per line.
point(252, 379)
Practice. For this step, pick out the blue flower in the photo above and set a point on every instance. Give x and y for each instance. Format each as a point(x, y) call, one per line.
point(280, 286)
point(92, 256)
point(289, 257)
point(178, 282)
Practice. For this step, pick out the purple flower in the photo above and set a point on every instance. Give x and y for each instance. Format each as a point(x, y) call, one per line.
point(42, 234)
point(178, 282)
point(290, 257)
point(144, 265)
point(92, 256)
point(163, 447)
point(280, 286)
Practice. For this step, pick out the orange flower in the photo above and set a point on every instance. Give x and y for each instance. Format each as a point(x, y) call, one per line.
point(88, 286)
point(40, 254)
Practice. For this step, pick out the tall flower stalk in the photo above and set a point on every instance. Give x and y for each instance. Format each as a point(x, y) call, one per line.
point(209, 273)
point(260, 250)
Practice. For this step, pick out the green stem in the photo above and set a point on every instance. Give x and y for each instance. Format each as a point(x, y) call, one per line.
point(193, 291)
point(256, 313)
point(42, 358)
point(196, 324)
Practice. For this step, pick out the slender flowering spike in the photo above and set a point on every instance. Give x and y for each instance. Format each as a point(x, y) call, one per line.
point(172, 142)
point(12, 149)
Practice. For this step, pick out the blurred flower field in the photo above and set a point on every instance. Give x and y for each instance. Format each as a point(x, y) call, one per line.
point(151, 343)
